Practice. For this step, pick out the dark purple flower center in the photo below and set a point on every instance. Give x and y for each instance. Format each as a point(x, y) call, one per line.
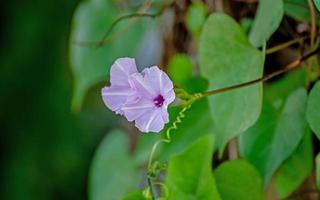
point(158, 101)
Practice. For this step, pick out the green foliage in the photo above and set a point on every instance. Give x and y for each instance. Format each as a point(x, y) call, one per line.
point(298, 9)
point(296, 168)
point(180, 68)
point(266, 22)
point(226, 60)
point(317, 4)
point(238, 180)
point(276, 134)
point(282, 88)
point(246, 24)
point(196, 84)
point(112, 168)
point(195, 17)
point(189, 173)
point(135, 196)
point(144, 144)
point(90, 65)
point(313, 109)
point(197, 123)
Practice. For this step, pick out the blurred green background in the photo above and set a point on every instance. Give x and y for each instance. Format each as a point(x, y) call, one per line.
point(45, 149)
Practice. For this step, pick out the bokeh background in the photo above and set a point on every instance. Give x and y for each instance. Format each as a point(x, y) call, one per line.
point(45, 149)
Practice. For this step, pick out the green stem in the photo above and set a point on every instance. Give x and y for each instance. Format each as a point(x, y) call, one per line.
point(293, 65)
point(151, 188)
point(167, 139)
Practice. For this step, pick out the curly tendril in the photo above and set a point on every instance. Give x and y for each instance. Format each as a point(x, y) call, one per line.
point(155, 168)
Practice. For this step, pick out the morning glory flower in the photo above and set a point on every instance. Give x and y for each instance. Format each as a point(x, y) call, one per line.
point(120, 91)
point(141, 97)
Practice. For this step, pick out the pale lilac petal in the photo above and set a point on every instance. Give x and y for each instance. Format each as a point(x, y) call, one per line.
point(115, 97)
point(164, 114)
point(158, 80)
point(169, 97)
point(139, 83)
point(121, 69)
point(132, 111)
point(150, 121)
point(140, 97)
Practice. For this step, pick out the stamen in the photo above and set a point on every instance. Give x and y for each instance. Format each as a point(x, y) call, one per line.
point(158, 101)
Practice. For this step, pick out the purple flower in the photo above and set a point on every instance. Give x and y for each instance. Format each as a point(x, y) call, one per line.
point(141, 97)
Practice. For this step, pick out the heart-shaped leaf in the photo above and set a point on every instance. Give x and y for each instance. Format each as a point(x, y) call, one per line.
point(296, 168)
point(236, 179)
point(267, 20)
point(227, 58)
point(276, 134)
point(313, 109)
point(90, 65)
point(112, 168)
point(189, 173)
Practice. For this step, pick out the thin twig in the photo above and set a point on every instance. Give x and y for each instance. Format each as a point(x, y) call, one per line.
point(285, 45)
point(293, 65)
point(313, 22)
point(105, 39)
point(233, 149)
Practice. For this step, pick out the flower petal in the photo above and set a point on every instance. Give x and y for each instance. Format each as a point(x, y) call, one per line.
point(158, 80)
point(169, 97)
point(164, 114)
point(121, 69)
point(132, 111)
point(115, 97)
point(150, 121)
point(143, 87)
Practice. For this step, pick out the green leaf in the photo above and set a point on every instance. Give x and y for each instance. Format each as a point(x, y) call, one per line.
point(180, 68)
point(246, 24)
point(135, 196)
point(313, 109)
point(112, 172)
point(226, 60)
point(280, 90)
point(276, 134)
point(144, 146)
point(196, 123)
point(189, 173)
point(238, 180)
point(195, 17)
point(91, 65)
point(317, 4)
point(196, 84)
point(298, 9)
point(267, 20)
point(296, 168)
point(318, 170)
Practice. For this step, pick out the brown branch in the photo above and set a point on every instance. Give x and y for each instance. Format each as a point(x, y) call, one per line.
point(313, 22)
point(285, 45)
point(293, 65)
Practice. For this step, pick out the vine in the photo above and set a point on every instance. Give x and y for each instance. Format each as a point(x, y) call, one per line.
point(187, 100)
